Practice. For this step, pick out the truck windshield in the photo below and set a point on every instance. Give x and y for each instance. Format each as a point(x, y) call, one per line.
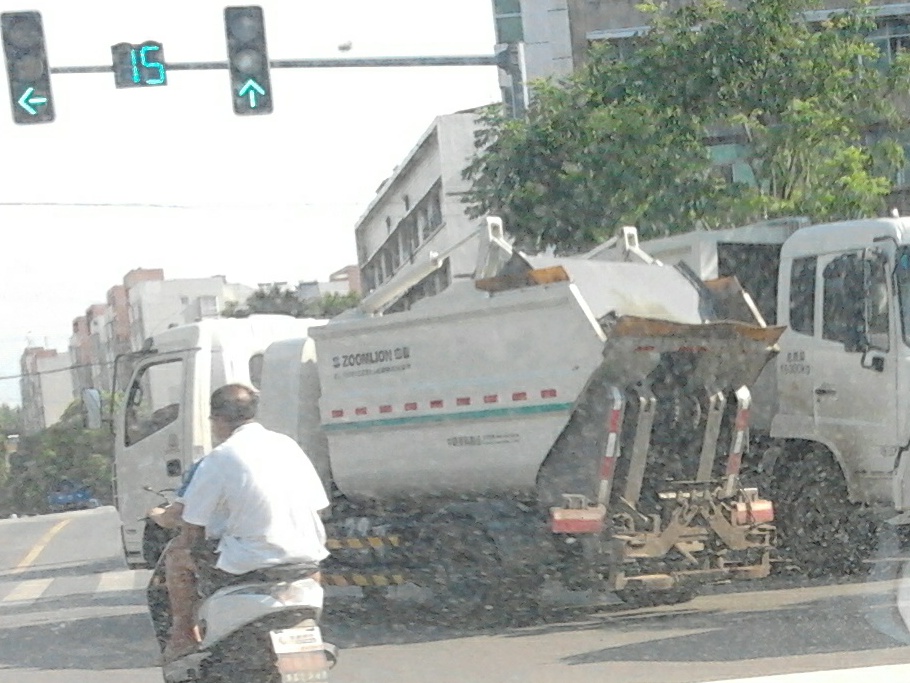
point(902, 285)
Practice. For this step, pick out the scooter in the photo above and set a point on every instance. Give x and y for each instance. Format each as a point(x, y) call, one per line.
point(264, 630)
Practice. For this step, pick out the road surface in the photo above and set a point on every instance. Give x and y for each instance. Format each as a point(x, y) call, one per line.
point(71, 612)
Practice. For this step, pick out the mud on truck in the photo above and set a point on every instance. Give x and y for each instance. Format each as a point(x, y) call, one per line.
point(831, 420)
point(565, 418)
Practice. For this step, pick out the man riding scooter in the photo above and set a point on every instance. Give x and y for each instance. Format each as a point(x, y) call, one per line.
point(251, 504)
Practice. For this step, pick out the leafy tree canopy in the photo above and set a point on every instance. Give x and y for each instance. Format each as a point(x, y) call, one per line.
point(627, 140)
point(277, 299)
point(65, 450)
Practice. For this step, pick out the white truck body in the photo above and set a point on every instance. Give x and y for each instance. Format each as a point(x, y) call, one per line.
point(555, 403)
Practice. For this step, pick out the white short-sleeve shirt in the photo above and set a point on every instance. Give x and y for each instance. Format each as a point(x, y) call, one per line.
point(259, 494)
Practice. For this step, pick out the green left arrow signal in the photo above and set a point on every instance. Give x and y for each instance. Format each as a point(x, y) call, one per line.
point(29, 103)
point(250, 88)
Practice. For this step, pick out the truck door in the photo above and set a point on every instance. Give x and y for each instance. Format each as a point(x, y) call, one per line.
point(151, 436)
point(855, 367)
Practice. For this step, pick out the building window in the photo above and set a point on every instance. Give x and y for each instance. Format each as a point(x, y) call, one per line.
point(208, 306)
point(407, 203)
point(423, 224)
point(802, 295)
point(507, 15)
point(388, 225)
point(891, 38)
point(431, 285)
point(435, 210)
point(729, 162)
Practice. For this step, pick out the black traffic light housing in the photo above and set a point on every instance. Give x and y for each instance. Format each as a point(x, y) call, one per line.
point(26, 67)
point(248, 60)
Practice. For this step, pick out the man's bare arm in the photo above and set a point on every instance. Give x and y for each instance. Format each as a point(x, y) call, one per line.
point(169, 517)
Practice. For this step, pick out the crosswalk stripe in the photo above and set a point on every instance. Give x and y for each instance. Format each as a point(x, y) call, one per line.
point(116, 581)
point(28, 590)
point(106, 582)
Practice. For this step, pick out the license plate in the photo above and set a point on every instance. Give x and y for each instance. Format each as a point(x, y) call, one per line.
point(300, 654)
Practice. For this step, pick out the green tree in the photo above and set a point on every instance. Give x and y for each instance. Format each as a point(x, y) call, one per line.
point(9, 419)
point(276, 299)
point(65, 450)
point(626, 141)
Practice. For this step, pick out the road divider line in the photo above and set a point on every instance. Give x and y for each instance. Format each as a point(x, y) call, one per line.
point(28, 590)
point(36, 550)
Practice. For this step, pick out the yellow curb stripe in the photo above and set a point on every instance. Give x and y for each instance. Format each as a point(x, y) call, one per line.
point(37, 549)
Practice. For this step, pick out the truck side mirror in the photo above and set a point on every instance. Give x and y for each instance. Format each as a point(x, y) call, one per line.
point(91, 408)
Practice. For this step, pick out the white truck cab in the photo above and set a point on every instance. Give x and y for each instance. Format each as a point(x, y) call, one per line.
point(180, 368)
point(831, 418)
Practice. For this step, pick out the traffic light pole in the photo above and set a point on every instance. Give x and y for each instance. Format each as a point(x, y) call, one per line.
point(457, 60)
point(513, 67)
point(248, 65)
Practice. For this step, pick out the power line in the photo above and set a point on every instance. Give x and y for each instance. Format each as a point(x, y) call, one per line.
point(68, 368)
point(138, 205)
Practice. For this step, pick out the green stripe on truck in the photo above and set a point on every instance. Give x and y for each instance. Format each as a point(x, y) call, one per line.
point(449, 417)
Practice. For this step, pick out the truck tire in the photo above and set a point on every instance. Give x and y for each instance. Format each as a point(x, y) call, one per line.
point(819, 529)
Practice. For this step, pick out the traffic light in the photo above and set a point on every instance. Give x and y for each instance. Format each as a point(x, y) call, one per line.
point(248, 60)
point(26, 67)
point(139, 65)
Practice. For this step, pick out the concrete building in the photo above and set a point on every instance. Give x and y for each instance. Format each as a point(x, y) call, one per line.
point(558, 33)
point(344, 281)
point(419, 209)
point(156, 305)
point(103, 333)
point(143, 304)
point(46, 385)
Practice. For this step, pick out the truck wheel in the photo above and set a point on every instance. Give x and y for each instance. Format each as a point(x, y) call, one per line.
point(819, 528)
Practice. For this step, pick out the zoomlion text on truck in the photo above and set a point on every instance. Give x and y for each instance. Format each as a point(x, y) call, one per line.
point(567, 418)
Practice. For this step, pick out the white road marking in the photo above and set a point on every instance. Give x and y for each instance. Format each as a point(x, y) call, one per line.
point(60, 587)
point(28, 590)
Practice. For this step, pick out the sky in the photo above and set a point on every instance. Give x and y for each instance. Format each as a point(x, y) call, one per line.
point(169, 177)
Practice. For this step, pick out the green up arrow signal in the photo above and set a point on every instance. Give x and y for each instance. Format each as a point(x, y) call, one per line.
point(29, 103)
point(250, 88)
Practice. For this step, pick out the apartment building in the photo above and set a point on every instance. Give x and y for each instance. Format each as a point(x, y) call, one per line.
point(145, 303)
point(46, 385)
point(343, 281)
point(419, 210)
point(156, 305)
